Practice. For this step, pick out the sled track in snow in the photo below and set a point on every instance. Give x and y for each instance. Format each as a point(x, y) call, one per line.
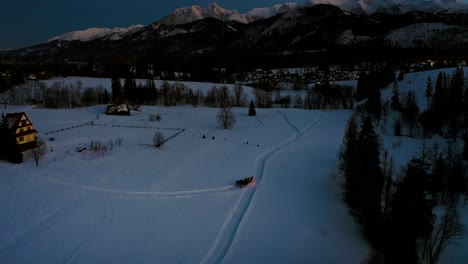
point(291, 125)
point(230, 226)
point(145, 194)
point(108, 215)
point(45, 224)
point(116, 192)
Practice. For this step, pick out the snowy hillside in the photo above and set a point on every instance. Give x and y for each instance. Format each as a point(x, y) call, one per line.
point(427, 33)
point(138, 204)
point(417, 82)
point(189, 14)
point(266, 12)
point(95, 33)
point(133, 203)
point(396, 6)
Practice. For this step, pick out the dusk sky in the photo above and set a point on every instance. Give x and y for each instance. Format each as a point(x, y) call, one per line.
point(29, 22)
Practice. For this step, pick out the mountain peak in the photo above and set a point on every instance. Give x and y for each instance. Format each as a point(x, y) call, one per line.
point(95, 33)
point(189, 14)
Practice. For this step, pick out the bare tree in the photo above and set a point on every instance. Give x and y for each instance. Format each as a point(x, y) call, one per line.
point(225, 117)
point(448, 228)
point(158, 139)
point(239, 95)
point(39, 151)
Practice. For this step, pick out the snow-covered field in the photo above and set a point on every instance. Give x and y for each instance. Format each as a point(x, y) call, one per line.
point(178, 204)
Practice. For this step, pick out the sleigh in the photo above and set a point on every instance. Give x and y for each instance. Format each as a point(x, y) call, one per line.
point(244, 182)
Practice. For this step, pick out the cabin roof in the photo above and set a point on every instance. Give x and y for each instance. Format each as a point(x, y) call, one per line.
point(13, 120)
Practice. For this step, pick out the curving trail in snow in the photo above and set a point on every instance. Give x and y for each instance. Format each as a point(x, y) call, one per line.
point(108, 215)
point(184, 193)
point(187, 193)
point(286, 119)
point(8, 247)
point(230, 226)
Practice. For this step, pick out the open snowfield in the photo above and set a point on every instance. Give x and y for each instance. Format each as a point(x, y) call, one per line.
point(178, 204)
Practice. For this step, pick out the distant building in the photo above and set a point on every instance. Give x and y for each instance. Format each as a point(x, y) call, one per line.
point(22, 129)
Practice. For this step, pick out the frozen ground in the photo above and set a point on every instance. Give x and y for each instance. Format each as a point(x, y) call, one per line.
point(138, 204)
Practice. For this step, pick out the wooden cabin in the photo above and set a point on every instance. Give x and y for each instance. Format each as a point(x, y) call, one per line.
point(22, 129)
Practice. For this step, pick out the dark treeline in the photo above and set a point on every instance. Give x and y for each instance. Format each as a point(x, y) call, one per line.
point(408, 216)
point(61, 95)
point(448, 104)
point(397, 209)
point(329, 96)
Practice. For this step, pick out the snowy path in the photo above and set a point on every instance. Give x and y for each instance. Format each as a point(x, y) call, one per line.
point(128, 193)
point(230, 226)
point(106, 220)
point(291, 125)
point(187, 193)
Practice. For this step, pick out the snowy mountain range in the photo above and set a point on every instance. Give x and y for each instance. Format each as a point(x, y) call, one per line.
point(185, 15)
point(295, 29)
point(95, 33)
point(396, 6)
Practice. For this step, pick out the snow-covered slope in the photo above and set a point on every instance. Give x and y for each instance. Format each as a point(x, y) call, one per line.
point(428, 34)
point(396, 6)
point(178, 204)
point(265, 12)
point(189, 14)
point(95, 33)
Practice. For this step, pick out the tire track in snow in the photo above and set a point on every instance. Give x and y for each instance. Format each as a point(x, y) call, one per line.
point(184, 193)
point(291, 125)
point(106, 220)
point(46, 223)
point(188, 193)
point(230, 226)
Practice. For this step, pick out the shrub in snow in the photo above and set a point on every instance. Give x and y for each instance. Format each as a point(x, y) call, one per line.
point(38, 151)
point(118, 141)
point(252, 111)
point(158, 139)
point(153, 118)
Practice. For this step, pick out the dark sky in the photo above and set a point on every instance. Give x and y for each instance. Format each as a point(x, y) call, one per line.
point(28, 22)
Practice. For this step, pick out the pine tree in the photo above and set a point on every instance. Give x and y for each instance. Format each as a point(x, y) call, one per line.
point(374, 103)
point(465, 147)
point(129, 89)
point(362, 86)
point(457, 88)
point(369, 186)
point(252, 111)
point(440, 97)
point(105, 97)
point(397, 131)
point(4, 135)
point(347, 158)
point(116, 89)
point(411, 215)
point(429, 91)
point(410, 111)
point(395, 100)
